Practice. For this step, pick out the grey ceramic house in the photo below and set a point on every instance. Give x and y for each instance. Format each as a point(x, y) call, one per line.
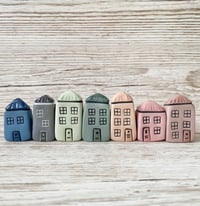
point(96, 119)
point(43, 119)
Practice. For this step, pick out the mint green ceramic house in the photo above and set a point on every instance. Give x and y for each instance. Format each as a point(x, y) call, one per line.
point(96, 119)
point(68, 117)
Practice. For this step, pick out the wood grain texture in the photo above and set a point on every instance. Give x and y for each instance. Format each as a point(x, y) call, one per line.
point(150, 49)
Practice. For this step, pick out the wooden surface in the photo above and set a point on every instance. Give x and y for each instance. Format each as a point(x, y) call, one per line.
point(150, 49)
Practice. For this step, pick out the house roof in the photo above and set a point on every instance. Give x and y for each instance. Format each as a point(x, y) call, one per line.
point(97, 98)
point(178, 99)
point(69, 96)
point(44, 99)
point(122, 97)
point(150, 106)
point(17, 104)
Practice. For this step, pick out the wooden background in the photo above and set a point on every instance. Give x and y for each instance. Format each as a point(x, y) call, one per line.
point(148, 48)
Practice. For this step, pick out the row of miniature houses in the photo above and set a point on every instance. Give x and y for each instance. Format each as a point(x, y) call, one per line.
point(66, 120)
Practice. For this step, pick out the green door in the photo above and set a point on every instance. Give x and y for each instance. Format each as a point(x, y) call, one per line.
point(96, 135)
point(68, 135)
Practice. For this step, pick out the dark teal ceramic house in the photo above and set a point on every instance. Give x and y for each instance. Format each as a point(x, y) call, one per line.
point(18, 121)
point(96, 119)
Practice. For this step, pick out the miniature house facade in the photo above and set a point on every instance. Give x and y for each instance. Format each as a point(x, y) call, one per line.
point(96, 119)
point(151, 122)
point(18, 121)
point(180, 119)
point(123, 124)
point(68, 117)
point(44, 119)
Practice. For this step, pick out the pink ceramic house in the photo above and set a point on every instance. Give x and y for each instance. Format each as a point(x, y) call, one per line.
point(180, 119)
point(151, 122)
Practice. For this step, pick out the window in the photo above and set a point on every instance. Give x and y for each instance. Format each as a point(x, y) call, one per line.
point(127, 112)
point(146, 120)
point(175, 135)
point(91, 112)
point(74, 120)
point(10, 120)
point(63, 110)
point(62, 120)
point(157, 120)
point(45, 123)
point(74, 110)
point(117, 112)
point(91, 121)
point(103, 121)
point(102, 112)
point(175, 113)
point(157, 130)
point(127, 121)
point(39, 113)
point(174, 125)
point(20, 120)
point(187, 113)
point(117, 121)
point(117, 132)
point(186, 124)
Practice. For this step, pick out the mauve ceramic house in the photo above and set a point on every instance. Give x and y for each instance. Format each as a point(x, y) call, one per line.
point(123, 124)
point(151, 122)
point(180, 119)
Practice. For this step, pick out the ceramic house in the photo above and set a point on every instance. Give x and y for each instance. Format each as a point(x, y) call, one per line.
point(44, 119)
point(123, 124)
point(151, 122)
point(96, 119)
point(68, 117)
point(180, 119)
point(18, 121)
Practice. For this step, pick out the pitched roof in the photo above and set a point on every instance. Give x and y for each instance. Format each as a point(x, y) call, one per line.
point(122, 97)
point(17, 104)
point(150, 106)
point(44, 99)
point(97, 98)
point(178, 99)
point(69, 96)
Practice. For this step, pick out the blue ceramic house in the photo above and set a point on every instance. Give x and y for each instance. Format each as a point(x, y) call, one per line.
point(18, 121)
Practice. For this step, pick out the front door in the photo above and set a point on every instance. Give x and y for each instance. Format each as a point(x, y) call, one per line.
point(43, 136)
point(68, 135)
point(146, 134)
point(16, 136)
point(186, 135)
point(96, 135)
point(128, 135)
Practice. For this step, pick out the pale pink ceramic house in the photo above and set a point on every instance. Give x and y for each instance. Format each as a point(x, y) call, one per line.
point(151, 122)
point(123, 123)
point(180, 119)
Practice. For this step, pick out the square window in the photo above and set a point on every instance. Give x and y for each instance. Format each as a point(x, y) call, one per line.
point(157, 130)
point(117, 112)
point(127, 121)
point(20, 120)
point(186, 124)
point(62, 120)
point(175, 113)
point(174, 125)
point(39, 113)
point(127, 112)
point(91, 121)
point(45, 123)
point(175, 135)
point(103, 121)
point(63, 110)
point(117, 132)
point(117, 121)
point(157, 120)
point(102, 112)
point(146, 120)
point(91, 112)
point(74, 120)
point(74, 110)
point(10, 120)
point(187, 113)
